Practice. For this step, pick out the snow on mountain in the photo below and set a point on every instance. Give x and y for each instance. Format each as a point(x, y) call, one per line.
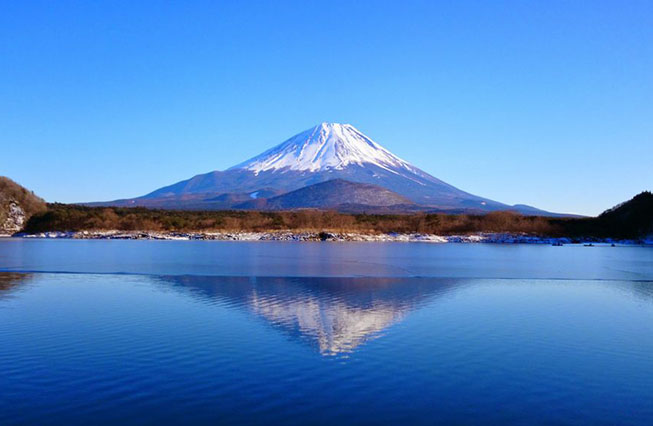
point(326, 152)
point(326, 146)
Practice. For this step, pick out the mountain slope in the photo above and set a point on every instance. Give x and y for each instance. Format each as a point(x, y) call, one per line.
point(331, 195)
point(325, 152)
point(632, 219)
point(328, 146)
point(191, 200)
point(17, 204)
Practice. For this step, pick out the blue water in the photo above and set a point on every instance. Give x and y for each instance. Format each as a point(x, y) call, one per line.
point(315, 259)
point(138, 332)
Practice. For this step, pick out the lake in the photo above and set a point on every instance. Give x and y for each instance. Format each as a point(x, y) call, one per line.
point(208, 332)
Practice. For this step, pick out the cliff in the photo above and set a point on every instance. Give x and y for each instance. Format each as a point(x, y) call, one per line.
point(17, 205)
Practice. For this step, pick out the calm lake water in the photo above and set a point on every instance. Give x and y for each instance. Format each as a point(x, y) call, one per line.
point(157, 332)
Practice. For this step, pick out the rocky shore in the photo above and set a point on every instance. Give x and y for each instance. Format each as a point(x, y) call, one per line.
point(500, 238)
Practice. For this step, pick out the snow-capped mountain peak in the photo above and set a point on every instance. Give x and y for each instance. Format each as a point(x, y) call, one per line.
point(361, 172)
point(323, 147)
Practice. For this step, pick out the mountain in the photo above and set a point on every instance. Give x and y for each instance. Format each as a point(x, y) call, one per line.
point(333, 194)
point(194, 201)
point(323, 153)
point(631, 219)
point(17, 204)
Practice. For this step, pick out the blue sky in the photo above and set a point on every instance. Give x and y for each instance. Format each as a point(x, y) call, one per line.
point(543, 103)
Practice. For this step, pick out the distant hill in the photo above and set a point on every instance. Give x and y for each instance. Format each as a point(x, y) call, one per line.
point(331, 194)
point(631, 219)
point(17, 205)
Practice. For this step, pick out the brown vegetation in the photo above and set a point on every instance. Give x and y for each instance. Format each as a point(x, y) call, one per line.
point(633, 219)
point(11, 192)
point(62, 217)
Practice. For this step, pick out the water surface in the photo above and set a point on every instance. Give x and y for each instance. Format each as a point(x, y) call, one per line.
point(151, 346)
point(319, 259)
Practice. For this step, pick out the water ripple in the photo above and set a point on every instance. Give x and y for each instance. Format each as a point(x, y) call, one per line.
point(106, 349)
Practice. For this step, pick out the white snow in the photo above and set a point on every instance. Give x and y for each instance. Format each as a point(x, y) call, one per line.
point(323, 147)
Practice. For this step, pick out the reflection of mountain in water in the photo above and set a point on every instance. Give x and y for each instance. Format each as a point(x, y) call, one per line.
point(334, 314)
point(11, 281)
point(335, 326)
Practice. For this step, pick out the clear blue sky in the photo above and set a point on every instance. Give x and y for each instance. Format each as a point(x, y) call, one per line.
point(545, 103)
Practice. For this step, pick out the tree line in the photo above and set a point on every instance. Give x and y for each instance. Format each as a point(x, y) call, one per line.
point(66, 217)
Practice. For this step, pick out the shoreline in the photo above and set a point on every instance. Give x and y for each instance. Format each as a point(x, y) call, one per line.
point(492, 238)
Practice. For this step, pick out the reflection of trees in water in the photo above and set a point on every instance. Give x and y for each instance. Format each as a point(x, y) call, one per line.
point(335, 315)
point(12, 280)
point(643, 289)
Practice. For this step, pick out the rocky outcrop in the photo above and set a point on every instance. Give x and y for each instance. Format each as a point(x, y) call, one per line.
point(17, 204)
point(15, 219)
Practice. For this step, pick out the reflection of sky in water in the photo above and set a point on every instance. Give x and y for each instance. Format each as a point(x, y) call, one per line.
point(76, 348)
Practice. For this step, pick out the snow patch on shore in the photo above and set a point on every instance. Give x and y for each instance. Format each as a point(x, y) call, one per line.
point(329, 236)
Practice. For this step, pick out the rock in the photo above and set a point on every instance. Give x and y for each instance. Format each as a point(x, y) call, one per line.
point(15, 218)
point(327, 236)
point(17, 205)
